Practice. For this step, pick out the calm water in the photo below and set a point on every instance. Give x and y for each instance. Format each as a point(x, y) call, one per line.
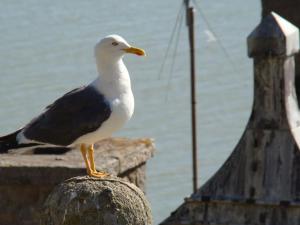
point(46, 49)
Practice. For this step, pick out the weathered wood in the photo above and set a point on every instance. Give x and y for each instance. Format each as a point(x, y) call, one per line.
point(288, 9)
point(260, 182)
point(233, 213)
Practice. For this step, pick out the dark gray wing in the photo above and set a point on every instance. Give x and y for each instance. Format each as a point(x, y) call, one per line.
point(78, 112)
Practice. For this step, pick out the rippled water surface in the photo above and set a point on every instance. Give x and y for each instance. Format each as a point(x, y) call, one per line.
point(46, 49)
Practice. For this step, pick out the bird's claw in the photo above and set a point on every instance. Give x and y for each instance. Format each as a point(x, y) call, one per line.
point(97, 174)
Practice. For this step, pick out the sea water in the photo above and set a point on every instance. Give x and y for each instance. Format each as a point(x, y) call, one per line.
point(46, 49)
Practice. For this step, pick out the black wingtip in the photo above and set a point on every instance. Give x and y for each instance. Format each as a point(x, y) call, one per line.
point(50, 150)
point(8, 142)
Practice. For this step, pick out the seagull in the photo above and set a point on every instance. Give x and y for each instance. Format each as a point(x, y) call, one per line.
point(86, 114)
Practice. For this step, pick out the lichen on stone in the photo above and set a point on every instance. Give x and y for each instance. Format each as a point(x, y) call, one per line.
point(90, 201)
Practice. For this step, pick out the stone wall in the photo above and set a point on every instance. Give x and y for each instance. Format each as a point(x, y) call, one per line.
point(26, 180)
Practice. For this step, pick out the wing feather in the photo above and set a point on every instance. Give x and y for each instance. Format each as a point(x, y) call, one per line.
point(78, 112)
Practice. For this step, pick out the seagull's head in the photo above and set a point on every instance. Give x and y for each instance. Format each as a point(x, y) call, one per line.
point(113, 47)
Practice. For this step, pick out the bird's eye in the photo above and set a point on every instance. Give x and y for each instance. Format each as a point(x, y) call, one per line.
point(115, 43)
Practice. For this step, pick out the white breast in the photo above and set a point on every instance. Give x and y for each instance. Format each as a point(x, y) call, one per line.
point(118, 92)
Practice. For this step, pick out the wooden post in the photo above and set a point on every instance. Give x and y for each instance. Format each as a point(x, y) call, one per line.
point(260, 181)
point(193, 98)
point(190, 24)
point(289, 9)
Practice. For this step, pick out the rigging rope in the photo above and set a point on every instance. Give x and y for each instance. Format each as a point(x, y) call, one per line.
point(170, 41)
point(174, 55)
point(218, 40)
point(175, 37)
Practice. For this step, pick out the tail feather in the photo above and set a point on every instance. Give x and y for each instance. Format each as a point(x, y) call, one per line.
point(9, 142)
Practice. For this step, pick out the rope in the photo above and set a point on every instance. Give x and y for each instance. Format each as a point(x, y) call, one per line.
point(174, 56)
point(218, 40)
point(170, 41)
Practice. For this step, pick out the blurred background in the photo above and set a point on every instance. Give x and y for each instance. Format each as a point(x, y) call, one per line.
point(46, 49)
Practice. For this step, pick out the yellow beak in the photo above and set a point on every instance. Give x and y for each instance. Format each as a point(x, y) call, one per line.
point(136, 51)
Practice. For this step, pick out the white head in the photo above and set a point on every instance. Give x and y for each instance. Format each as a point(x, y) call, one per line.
point(113, 47)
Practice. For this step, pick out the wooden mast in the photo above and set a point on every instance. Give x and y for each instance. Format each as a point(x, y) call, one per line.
point(190, 24)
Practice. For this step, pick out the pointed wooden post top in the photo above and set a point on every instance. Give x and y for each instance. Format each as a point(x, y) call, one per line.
point(274, 36)
point(260, 182)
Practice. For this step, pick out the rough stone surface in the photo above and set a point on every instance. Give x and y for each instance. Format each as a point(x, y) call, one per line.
point(90, 201)
point(27, 180)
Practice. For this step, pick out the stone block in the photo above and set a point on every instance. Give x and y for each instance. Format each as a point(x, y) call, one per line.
point(26, 180)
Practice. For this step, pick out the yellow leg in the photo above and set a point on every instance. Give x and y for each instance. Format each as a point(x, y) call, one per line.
point(91, 157)
point(87, 164)
point(91, 168)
